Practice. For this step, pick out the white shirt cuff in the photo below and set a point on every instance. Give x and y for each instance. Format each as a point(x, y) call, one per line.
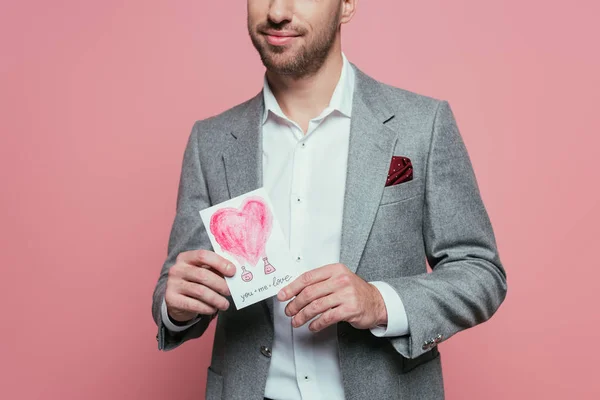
point(397, 320)
point(171, 326)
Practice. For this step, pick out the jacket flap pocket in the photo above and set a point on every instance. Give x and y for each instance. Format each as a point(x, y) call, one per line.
point(409, 364)
point(214, 385)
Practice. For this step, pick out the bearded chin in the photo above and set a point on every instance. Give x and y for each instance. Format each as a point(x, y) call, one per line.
point(302, 62)
point(276, 60)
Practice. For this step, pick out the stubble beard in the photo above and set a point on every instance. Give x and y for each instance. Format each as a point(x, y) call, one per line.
point(307, 60)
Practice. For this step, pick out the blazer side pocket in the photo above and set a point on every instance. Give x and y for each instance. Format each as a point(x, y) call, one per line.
point(409, 364)
point(401, 191)
point(214, 385)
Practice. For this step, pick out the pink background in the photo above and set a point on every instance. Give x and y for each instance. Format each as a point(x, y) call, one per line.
point(97, 100)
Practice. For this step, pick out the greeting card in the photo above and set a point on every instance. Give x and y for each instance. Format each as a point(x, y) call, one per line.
point(245, 231)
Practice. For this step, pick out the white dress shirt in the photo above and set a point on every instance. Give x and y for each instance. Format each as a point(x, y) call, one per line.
point(305, 176)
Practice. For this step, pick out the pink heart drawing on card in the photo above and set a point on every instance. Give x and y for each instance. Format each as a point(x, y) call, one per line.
point(244, 232)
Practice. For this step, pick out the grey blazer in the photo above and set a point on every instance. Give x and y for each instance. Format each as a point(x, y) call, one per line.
point(387, 235)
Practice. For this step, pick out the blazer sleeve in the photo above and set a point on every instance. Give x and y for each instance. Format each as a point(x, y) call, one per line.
point(187, 233)
point(468, 282)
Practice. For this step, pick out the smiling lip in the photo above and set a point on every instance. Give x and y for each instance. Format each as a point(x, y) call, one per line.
point(280, 38)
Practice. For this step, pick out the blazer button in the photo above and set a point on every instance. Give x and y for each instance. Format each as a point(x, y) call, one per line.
point(157, 337)
point(438, 338)
point(265, 351)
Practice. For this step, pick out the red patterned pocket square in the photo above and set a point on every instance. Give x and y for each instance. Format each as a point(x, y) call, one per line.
point(400, 171)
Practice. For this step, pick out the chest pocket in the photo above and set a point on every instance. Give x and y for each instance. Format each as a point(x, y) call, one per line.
point(402, 191)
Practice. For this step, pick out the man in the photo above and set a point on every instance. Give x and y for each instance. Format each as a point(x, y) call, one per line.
point(368, 181)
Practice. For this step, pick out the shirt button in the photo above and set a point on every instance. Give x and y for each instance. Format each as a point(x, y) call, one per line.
point(303, 145)
point(298, 258)
point(306, 378)
point(298, 200)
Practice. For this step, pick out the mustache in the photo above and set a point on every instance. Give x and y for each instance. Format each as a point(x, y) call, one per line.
point(283, 26)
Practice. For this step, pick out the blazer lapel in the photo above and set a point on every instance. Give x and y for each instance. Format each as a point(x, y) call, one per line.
point(243, 158)
point(370, 151)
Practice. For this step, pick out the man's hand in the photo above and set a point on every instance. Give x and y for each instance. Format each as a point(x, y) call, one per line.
point(338, 295)
point(196, 285)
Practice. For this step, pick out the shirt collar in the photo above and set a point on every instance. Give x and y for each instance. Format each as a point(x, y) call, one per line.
point(341, 100)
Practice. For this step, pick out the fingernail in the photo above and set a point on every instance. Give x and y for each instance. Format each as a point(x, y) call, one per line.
point(229, 268)
point(281, 295)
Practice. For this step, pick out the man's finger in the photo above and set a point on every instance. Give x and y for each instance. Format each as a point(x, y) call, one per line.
point(306, 279)
point(186, 303)
point(315, 308)
point(205, 294)
point(328, 318)
point(308, 295)
point(207, 277)
point(202, 257)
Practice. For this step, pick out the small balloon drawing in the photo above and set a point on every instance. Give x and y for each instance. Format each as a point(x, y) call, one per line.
point(243, 232)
